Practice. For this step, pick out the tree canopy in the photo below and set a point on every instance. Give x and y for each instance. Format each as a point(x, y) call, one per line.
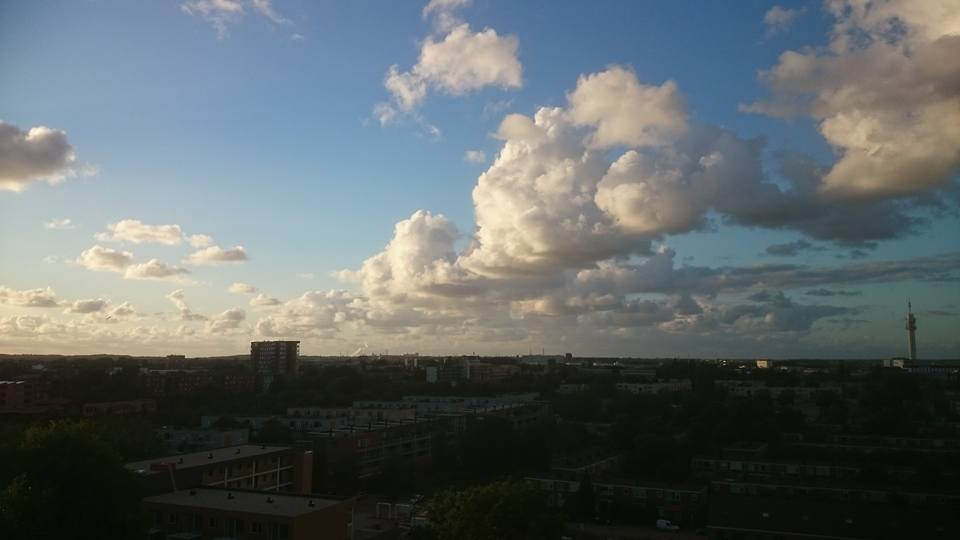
point(69, 483)
point(503, 510)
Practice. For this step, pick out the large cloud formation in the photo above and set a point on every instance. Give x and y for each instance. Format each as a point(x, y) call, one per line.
point(36, 154)
point(569, 218)
point(885, 93)
point(574, 214)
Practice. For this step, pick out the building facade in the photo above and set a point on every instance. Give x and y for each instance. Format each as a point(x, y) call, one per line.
point(272, 359)
point(263, 468)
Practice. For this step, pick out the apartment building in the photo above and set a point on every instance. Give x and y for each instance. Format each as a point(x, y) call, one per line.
point(479, 372)
point(727, 468)
point(680, 503)
point(748, 388)
point(272, 359)
point(181, 440)
point(264, 468)
point(297, 424)
point(678, 385)
point(369, 446)
point(24, 394)
point(204, 513)
point(174, 382)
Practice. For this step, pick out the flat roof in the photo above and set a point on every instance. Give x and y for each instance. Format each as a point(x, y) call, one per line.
point(250, 502)
point(199, 459)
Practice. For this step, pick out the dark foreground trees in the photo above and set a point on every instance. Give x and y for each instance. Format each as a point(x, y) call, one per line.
point(68, 483)
point(504, 510)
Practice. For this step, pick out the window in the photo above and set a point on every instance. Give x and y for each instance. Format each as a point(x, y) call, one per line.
point(213, 522)
point(256, 527)
point(172, 518)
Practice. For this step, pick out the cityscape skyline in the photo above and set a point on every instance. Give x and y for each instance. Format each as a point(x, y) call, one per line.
point(481, 177)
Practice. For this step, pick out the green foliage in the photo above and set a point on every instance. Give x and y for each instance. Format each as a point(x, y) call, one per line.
point(504, 510)
point(274, 432)
point(70, 484)
point(129, 436)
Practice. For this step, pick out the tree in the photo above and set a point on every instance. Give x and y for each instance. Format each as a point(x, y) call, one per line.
point(274, 432)
point(503, 510)
point(70, 484)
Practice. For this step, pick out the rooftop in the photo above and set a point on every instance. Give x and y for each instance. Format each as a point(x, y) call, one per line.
point(251, 502)
point(199, 459)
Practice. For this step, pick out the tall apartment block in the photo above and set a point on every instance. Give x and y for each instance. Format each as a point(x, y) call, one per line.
point(272, 359)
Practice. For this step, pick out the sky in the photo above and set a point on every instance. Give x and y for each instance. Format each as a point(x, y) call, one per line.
point(615, 178)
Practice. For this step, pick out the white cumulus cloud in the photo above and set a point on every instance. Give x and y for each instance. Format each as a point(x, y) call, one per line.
point(103, 259)
point(885, 95)
point(58, 224)
point(262, 300)
point(37, 154)
point(455, 61)
point(137, 232)
point(242, 288)
point(625, 111)
point(214, 255)
point(90, 305)
point(41, 298)
point(154, 269)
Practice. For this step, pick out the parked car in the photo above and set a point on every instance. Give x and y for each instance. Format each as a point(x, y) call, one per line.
point(667, 525)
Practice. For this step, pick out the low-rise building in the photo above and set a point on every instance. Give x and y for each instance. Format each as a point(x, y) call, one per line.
point(264, 468)
point(203, 513)
point(296, 424)
point(24, 394)
point(677, 385)
point(680, 503)
point(728, 468)
point(183, 440)
point(447, 371)
point(479, 372)
point(749, 388)
point(369, 446)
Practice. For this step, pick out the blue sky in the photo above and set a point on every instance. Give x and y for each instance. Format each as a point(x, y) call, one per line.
point(256, 124)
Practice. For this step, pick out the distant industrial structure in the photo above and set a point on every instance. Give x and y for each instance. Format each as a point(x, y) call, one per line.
point(270, 359)
point(911, 333)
